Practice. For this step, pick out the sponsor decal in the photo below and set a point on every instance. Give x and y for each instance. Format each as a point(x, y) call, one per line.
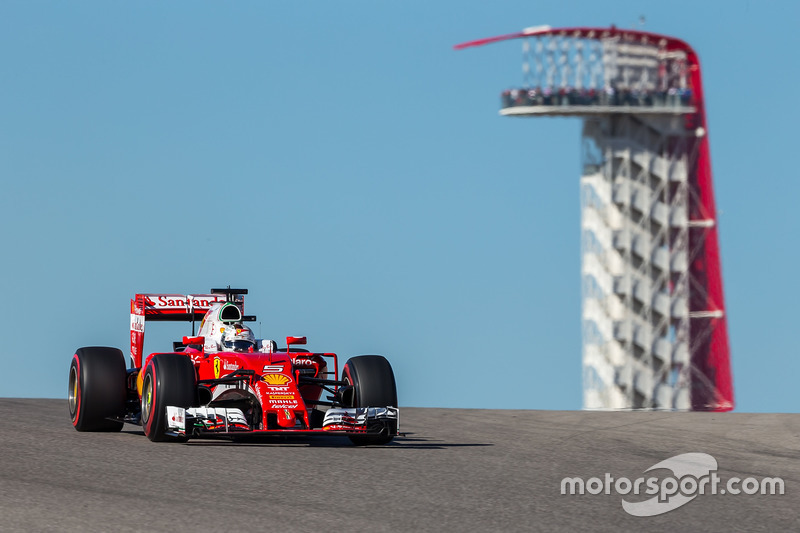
point(302, 361)
point(229, 366)
point(176, 419)
point(273, 389)
point(137, 323)
point(337, 427)
point(177, 301)
point(217, 364)
point(272, 368)
point(282, 397)
point(276, 379)
point(283, 404)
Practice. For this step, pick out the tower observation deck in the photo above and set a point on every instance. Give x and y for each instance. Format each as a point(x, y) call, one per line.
point(653, 314)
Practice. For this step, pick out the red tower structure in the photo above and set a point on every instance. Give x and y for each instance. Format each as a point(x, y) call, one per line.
point(654, 323)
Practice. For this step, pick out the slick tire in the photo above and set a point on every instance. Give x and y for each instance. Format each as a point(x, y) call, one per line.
point(169, 379)
point(97, 389)
point(373, 383)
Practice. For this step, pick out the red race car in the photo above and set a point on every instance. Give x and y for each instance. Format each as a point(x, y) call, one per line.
point(224, 382)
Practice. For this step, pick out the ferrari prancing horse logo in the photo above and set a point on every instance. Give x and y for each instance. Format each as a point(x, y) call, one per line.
point(217, 365)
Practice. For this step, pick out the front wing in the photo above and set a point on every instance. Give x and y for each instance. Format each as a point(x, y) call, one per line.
point(229, 421)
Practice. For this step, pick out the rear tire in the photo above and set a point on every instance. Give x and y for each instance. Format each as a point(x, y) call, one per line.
point(169, 379)
point(373, 383)
point(97, 389)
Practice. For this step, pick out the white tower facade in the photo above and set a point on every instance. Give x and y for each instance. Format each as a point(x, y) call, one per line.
point(634, 242)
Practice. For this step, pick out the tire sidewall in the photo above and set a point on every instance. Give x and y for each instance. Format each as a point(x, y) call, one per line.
point(151, 425)
point(77, 391)
point(99, 389)
point(173, 382)
point(348, 375)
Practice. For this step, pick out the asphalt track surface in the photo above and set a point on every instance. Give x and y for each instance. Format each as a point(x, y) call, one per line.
point(454, 470)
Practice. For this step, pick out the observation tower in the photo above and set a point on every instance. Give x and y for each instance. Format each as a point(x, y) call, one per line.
point(653, 314)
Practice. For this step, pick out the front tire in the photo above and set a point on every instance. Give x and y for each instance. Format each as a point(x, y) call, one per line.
point(373, 383)
point(169, 379)
point(97, 389)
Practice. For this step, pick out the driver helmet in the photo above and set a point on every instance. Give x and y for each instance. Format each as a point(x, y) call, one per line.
point(238, 338)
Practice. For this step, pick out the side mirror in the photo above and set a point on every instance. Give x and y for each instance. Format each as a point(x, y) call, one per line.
point(187, 341)
point(295, 340)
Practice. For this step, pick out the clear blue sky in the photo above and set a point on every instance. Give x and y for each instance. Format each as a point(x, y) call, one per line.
point(346, 165)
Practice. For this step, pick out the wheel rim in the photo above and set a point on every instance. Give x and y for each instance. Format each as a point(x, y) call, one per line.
point(147, 398)
point(73, 390)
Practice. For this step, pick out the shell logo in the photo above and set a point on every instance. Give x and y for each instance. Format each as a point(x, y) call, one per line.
point(276, 379)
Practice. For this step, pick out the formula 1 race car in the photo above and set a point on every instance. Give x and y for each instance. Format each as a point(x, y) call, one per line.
point(224, 382)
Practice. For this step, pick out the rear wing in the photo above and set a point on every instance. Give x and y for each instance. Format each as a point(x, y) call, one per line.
point(176, 308)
